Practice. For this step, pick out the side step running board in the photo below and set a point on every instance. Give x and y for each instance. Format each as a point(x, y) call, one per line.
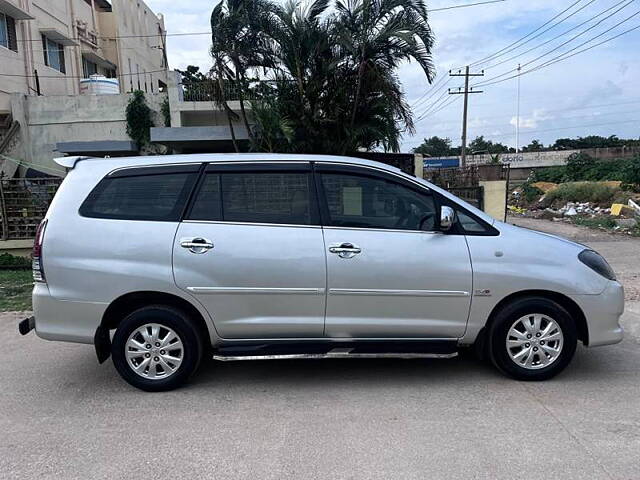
point(335, 353)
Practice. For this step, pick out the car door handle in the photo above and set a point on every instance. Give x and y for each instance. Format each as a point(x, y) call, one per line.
point(345, 250)
point(196, 244)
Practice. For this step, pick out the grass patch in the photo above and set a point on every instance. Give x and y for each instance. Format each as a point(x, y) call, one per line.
point(581, 192)
point(15, 290)
point(595, 222)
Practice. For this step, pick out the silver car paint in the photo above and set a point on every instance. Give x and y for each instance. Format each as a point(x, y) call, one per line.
point(262, 281)
point(89, 263)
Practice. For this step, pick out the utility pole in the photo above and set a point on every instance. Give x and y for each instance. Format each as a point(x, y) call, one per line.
point(518, 115)
point(465, 92)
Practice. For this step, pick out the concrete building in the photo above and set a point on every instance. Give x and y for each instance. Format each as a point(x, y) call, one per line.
point(65, 41)
point(198, 124)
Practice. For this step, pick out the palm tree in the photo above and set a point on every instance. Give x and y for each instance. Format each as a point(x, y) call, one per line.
point(375, 36)
point(236, 44)
point(337, 89)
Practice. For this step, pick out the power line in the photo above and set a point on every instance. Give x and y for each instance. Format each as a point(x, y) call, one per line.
point(464, 5)
point(442, 107)
point(438, 101)
point(429, 93)
point(540, 34)
point(565, 56)
point(186, 34)
point(569, 41)
point(493, 55)
point(554, 38)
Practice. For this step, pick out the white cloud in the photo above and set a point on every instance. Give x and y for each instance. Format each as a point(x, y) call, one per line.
point(605, 75)
point(531, 121)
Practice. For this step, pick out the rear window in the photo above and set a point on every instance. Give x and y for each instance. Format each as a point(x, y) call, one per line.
point(159, 197)
point(256, 197)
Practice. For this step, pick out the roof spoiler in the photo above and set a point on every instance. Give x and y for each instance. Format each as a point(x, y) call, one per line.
point(69, 162)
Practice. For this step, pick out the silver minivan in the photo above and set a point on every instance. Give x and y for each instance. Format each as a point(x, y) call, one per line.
point(158, 261)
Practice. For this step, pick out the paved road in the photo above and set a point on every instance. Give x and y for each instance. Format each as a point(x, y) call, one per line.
point(64, 416)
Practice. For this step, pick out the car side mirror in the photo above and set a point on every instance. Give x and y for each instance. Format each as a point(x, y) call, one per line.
point(447, 218)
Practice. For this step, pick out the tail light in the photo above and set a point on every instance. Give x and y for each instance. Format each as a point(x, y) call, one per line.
point(37, 266)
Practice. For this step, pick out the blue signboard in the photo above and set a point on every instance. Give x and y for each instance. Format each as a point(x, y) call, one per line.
point(445, 162)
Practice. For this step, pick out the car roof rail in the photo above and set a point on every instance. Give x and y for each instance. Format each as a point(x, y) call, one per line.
point(70, 162)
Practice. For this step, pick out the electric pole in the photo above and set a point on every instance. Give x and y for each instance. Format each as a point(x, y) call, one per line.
point(518, 115)
point(465, 92)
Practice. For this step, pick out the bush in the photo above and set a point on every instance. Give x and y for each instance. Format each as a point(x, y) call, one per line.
point(630, 175)
point(139, 120)
point(530, 193)
point(551, 174)
point(581, 192)
point(11, 261)
point(577, 166)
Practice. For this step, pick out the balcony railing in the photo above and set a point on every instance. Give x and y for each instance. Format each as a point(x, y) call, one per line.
point(208, 90)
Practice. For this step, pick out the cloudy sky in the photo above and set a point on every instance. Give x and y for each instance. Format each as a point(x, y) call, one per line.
point(595, 92)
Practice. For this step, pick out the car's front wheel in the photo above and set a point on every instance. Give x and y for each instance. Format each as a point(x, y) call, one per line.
point(532, 338)
point(156, 348)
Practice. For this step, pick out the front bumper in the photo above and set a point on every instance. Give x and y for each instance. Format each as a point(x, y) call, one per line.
point(603, 312)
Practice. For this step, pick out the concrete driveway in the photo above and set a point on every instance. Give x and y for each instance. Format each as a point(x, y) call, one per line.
point(64, 416)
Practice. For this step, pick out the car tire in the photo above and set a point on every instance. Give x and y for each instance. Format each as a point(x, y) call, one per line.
point(156, 348)
point(532, 338)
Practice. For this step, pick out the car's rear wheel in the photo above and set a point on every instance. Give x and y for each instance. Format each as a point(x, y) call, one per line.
point(532, 338)
point(156, 348)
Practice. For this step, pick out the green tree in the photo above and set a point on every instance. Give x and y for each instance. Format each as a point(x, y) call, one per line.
point(534, 146)
point(480, 145)
point(334, 70)
point(435, 147)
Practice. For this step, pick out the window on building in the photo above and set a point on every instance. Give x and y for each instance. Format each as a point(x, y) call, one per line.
point(89, 68)
point(53, 54)
point(8, 37)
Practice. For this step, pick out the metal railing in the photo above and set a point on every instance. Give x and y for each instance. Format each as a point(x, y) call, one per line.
point(23, 204)
point(209, 90)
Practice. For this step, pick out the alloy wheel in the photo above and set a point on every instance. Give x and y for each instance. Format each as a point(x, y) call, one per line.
point(154, 351)
point(534, 341)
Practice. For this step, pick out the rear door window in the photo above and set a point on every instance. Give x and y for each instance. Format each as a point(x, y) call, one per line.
point(159, 195)
point(255, 197)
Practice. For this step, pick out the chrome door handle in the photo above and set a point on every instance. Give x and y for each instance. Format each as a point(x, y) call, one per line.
point(345, 250)
point(197, 244)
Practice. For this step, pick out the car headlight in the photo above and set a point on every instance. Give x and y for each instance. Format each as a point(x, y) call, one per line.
point(597, 263)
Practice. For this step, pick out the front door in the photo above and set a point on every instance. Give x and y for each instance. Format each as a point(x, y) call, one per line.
point(251, 251)
point(390, 273)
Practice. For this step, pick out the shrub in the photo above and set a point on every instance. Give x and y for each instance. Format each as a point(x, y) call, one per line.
point(577, 166)
point(581, 192)
point(595, 222)
point(630, 175)
point(11, 261)
point(530, 193)
point(139, 120)
point(551, 174)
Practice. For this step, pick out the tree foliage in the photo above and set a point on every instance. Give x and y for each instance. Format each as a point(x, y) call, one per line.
point(436, 147)
point(139, 121)
point(332, 66)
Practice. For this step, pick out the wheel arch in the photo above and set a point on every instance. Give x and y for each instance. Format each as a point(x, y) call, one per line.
point(119, 308)
point(567, 303)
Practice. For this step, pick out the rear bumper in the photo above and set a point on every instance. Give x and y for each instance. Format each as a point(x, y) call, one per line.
point(65, 320)
point(603, 314)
